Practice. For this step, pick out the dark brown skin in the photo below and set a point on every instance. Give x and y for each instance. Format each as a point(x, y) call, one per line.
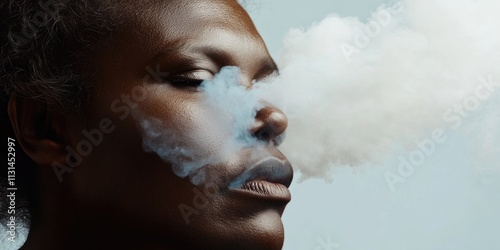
point(121, 197)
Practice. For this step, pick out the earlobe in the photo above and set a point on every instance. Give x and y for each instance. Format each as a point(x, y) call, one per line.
point(38, 130)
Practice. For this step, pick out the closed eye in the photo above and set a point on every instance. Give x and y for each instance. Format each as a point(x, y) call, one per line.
point(184, 82)
point(190, 79)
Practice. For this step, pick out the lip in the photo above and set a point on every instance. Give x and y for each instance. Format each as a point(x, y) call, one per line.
point(266, 179)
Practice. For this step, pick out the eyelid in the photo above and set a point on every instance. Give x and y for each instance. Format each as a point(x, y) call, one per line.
point(199, 74)
point(189, 79)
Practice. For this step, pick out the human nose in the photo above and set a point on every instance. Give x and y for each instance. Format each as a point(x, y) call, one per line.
point(270, 125)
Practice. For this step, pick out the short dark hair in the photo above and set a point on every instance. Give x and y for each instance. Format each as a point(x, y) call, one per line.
point(45, 46)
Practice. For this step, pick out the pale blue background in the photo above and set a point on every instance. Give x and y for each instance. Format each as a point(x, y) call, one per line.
point(274, 18)
point(440, 207)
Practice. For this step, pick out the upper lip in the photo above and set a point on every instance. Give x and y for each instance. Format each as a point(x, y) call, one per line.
point(269, 169)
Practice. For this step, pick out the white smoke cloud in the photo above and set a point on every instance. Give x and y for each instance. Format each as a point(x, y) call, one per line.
point(358, 92)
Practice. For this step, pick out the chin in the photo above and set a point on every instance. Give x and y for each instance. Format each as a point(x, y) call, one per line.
point(270, 233)
point(261, 231)
point(264, 231)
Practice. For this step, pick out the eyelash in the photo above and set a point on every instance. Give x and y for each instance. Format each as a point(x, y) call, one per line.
point(184, 82)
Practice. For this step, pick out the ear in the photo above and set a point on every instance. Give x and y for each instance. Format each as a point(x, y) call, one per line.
point(39, 130)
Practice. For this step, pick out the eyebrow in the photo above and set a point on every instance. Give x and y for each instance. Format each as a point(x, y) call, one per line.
point(266, 65)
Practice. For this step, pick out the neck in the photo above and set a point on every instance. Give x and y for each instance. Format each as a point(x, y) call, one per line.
point(61, 234)
point(65, 224)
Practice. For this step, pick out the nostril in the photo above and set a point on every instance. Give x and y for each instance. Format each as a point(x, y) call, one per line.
point(263, 134)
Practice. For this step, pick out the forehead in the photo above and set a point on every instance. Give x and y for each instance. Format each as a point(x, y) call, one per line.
point(187, 17)
point(173, 23)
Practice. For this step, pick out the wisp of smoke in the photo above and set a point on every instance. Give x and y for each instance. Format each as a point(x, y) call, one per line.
point(234, 107)
point(228, 96)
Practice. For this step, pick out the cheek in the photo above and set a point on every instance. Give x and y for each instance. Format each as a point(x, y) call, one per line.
point(203, 129)
point(182, 130)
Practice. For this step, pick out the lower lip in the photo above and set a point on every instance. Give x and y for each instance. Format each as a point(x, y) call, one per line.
point(265, 190)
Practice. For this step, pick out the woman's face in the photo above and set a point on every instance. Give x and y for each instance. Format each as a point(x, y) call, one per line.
point(144, 72)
